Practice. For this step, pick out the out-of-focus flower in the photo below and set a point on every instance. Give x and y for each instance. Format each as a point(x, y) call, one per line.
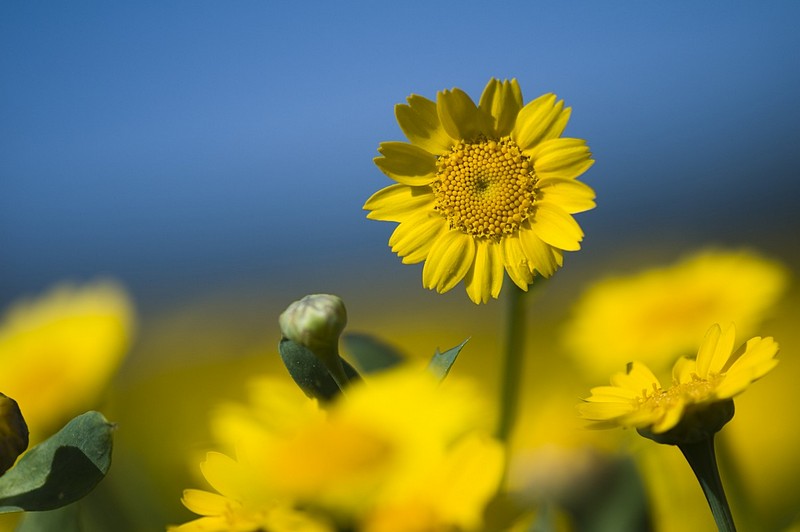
point(657, 315)
point(698, 403)
point(483, 189)
point(399, 452)
point(57, 353)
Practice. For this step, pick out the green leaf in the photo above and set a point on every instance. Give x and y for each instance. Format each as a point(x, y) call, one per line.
point(441, 363)
point(371, 354)
point(60, 470)
point(309, 373)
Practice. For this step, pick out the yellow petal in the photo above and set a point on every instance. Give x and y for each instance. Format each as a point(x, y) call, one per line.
point(406, 163)
point(450, 257)
point(419, 120)
point(225, 475)
point(569, 194)
point(604, 411)
point(556, 227)
point(610, 394)
point(460, 117)
point(716, 350)
point(485, 277)
point(536, 251)
point(205, 503)
point(516, 262)
point(566, 158)
point(672, 415)
point(638, 378)
point(413, 238)
point(539, 120)
point(502, 100)
point(396, 203)
point(683, 370)
point(757, 352)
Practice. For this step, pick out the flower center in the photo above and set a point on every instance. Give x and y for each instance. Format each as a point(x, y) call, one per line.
point(485, 188)
point(695, 391)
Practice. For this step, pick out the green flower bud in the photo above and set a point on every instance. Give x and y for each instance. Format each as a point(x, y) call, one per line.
point(313, 325)
point(315, 322)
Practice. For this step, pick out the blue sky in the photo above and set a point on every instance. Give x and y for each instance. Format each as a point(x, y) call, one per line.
point(193, 142)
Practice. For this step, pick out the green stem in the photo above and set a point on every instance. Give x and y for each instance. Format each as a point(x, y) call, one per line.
point(703, 460)
point(512, 368)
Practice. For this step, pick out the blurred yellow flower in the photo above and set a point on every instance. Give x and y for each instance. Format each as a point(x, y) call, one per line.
point(636, 398)
point(399, 452)
point(659, 314)
point(57, 353)
point(483, 189)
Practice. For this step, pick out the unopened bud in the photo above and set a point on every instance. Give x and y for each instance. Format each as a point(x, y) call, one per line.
point(315, 322)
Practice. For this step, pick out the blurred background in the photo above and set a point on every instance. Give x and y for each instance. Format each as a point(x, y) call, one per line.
point(213, 158)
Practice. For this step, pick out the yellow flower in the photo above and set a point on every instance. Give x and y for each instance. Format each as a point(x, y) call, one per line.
point(58, 353)
point(483, 189)
point(391, 446)
point(699, 399)
point(656, 315)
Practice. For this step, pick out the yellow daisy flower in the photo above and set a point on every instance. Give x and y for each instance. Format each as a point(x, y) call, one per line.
point(698, 403)
point(657, 314)
point(483, 189)
point(58, 352)
point(399, 444)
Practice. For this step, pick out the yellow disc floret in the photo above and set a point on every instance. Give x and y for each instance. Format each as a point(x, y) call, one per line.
point(485, 188)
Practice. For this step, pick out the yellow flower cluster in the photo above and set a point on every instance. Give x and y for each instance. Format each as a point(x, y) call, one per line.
point(398, 453)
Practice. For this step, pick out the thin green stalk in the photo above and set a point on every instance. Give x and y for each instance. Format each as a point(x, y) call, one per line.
point(703, 460)
point(512, 363)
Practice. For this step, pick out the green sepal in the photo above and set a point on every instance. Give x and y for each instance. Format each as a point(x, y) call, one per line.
point(310, 373)
point(370, 354)
point(441, 363)
point(60, 470)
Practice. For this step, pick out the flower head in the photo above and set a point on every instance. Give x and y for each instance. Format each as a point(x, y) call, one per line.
point(698, 403)
point(397, 446)
point(483, 188)
point(656, 315)
point(57, 353)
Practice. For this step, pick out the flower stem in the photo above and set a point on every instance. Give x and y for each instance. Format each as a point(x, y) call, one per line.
point(512, 368)
point(703, 460)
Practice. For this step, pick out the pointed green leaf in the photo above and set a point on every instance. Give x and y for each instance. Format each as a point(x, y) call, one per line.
point(60, 470)
point(370, 354)
point(441, 363)
point(309, 373)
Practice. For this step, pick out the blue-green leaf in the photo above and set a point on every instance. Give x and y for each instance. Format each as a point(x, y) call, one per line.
point(309, 373)
point(441, 363)
point(60, 470)
point(370, 354)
